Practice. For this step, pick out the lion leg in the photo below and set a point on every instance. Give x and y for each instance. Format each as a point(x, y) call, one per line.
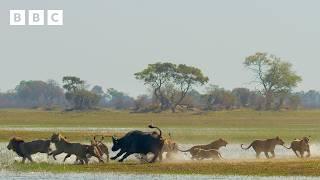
point(160, 156)
point(295, 152)
point(197, 157)
point(267, 155)
point(258, 155)
point(108, 157)
point(273, 154)
point(169, 155)
point(99, 158)
point(302, 154)
point(309, 154)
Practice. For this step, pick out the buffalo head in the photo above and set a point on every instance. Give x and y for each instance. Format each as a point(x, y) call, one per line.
point(116, 145)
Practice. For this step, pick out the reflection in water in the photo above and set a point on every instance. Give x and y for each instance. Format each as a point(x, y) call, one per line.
point(116, 176)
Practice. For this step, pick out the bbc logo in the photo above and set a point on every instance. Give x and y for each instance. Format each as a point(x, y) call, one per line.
point(36, 17)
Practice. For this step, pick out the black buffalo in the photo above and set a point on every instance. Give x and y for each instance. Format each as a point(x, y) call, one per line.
point(138, 142)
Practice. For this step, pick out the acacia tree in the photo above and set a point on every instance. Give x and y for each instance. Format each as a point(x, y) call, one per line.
point(77, 95)
point(72, 83)
point(275, 76)
point(157, 76)
point(171, 82)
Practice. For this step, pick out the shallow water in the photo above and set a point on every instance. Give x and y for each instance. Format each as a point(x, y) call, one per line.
point(234, 151)
point(115, 176)
point(231, 152)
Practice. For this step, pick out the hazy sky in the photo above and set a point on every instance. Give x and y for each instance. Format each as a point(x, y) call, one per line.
point(105, 42)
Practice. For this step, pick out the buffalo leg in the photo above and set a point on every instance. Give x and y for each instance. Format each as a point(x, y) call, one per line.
point(125, 156)
point(67, 156)
point(23, 159)
point(83, 160)
point(54, 153)
point(86, 160)
point(154, 157)
point(29, 158)
point(77, 160)
point(48, 152)
point(118, 155)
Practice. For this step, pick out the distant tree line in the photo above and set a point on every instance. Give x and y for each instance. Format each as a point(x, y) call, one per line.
point(48, 95)
point(172, 87)
point(28, 94)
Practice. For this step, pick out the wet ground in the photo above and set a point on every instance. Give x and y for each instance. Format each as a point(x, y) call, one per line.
point(231, 152)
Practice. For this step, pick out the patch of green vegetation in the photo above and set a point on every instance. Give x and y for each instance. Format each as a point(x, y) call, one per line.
point(234, 126)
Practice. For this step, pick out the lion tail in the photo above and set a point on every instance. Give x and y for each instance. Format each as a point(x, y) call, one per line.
point(287, 147)
point(246, 148)
point(188, 150)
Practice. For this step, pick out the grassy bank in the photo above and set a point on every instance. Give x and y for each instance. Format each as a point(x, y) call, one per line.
point(294, 167)
point(235, 126)
point(108, 118)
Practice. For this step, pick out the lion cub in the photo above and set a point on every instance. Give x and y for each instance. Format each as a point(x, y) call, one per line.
point(201, 154)
point(213, 145)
